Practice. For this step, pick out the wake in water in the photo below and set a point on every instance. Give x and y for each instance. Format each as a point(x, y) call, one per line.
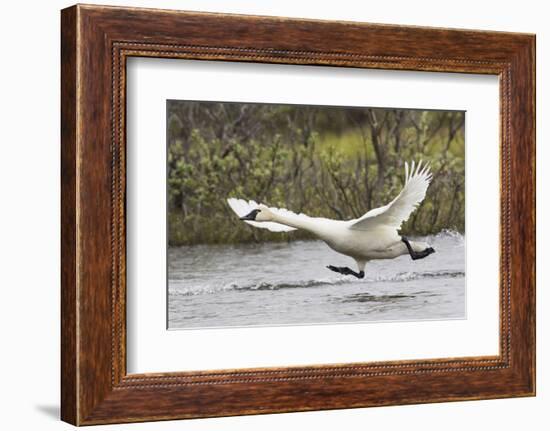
point(286, 283)
point(301, 284)
point(304, 256)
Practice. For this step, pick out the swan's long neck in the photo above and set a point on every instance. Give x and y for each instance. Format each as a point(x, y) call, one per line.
point(305, 223)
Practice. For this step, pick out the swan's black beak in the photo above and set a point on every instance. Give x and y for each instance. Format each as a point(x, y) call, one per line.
point(251, 215)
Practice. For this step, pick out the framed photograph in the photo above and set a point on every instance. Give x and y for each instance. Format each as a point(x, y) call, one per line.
point(264, 215)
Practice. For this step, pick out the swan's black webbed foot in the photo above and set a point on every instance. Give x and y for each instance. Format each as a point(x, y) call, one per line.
point(417, 254)
point(346, 271)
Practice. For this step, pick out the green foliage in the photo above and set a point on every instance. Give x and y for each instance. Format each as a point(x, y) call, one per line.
point(331, 162)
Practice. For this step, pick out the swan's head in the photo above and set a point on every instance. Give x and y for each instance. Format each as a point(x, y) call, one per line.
point(262, 213)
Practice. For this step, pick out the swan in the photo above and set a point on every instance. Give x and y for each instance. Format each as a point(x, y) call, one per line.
point(372, 236)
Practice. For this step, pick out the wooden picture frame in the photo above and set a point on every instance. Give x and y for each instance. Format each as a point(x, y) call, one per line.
point(95, 43)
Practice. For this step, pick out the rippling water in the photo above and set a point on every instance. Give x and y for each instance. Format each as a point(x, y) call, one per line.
point(288, 283)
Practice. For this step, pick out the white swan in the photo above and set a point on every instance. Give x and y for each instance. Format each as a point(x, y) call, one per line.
point(372, 236)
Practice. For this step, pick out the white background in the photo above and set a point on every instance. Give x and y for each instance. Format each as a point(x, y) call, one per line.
point(29, 215)
point(151, 348)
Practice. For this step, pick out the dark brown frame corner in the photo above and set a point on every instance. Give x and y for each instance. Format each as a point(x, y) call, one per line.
point(95, 43)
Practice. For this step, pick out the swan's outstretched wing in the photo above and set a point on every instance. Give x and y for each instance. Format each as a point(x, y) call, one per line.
point(399, 210)
point(242, 208)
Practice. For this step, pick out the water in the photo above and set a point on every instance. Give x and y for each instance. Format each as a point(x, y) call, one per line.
point(287, 283)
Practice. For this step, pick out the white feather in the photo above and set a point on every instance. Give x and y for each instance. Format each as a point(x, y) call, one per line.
point(398, 211)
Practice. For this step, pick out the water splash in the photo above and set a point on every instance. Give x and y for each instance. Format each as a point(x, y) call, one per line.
point(305, 284)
